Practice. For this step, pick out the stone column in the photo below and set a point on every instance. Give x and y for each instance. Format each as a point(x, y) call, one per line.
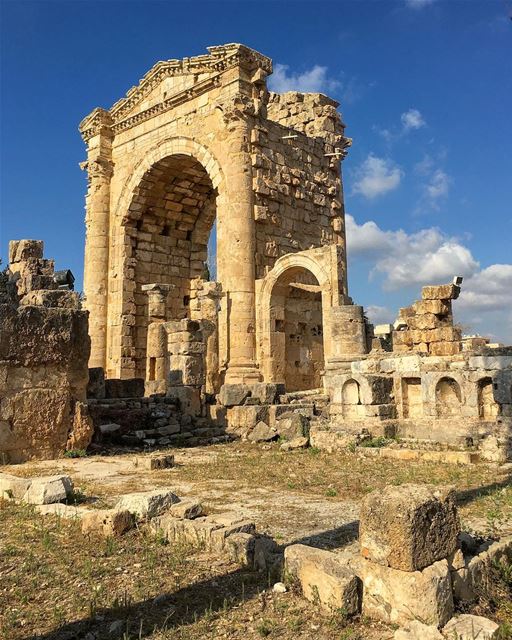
point(236, 238)
point(99, 169)
point(157, 357)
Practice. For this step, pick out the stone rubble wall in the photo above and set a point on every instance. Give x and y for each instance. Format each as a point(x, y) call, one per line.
point(44, 349)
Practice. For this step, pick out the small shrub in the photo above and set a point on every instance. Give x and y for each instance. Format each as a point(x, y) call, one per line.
point(331, 492)
point(375, 443)
point(75, 453)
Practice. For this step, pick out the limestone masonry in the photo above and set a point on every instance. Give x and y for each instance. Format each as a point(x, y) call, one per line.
point(264, 341)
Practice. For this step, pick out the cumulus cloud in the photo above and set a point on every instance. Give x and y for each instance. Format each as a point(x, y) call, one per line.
point(379, 315)
point(412, 119)
point(427, 256)
point(418, 4)
point(488, 290)
point(376, 176)
point(314, 80)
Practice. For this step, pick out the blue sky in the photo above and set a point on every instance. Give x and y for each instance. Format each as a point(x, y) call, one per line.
point(425, 88)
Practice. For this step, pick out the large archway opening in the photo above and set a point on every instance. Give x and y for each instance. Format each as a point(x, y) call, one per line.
point(168, 226)
point(297, 343)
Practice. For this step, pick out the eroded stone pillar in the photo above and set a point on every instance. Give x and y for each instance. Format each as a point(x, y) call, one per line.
point(157, 357)
point(99, 169)
point(236, 238)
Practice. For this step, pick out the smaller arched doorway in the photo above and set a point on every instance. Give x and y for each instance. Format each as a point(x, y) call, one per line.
point(297, 340)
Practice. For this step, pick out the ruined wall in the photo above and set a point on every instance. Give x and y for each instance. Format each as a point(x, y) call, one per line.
point(44, 349)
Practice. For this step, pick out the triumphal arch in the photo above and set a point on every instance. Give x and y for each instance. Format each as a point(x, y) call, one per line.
point(201, 144)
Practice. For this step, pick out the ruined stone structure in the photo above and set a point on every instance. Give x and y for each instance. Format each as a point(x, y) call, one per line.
point(200, 146)
point(44, 349)
point(199, 143)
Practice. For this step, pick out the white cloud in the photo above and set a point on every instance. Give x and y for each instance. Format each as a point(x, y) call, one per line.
point(314, 80)
point(418, 4)
point(412, 119)
point(427, 256)
point(438, 186)
point(488, 290)
point(376, 176)
point(379, 315)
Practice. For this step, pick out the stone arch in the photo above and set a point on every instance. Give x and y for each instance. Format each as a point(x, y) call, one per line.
point(163, 220)
point(448, 398)
point(293, 304)
point(487, 407)
point(351, 399)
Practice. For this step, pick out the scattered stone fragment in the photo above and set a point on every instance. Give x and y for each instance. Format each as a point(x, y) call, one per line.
point(323, 578)
point(408, 527)
point(292, 425)
point(109, 522)
point(48, 489)
point(279, 587)
point(469, 627)
point(12, 487)
point(296, 443)
point(147, 504)
point(116, 628)
point(149, 463)
point(262, 433)
point(187, 509)
point(67, 511)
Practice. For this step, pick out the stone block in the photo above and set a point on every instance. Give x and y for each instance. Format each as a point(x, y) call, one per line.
point(262, 433)
point(186, 509)
point(220, 536)
point(444, 348)
point(128, 388)
point(24, 249)
point(469, 627)
point(440, 292)
point(295, 443)
point(266, 393)
point(240, 548)
point(96, 384)
point(108, 522)
point(231, 395)
point(323, 578)
point(397, 597)
point(189, 399)
point(292, 425)
point(12, 487)
point(108, 428)
point(408, 527)
point(150, 463)
point(48, 489)
point(147, 504)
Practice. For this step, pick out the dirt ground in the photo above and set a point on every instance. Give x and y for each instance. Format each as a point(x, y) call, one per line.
point(56, 583)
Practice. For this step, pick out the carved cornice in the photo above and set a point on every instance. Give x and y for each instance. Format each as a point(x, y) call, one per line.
point(219, 60)
point(100, 168)
point(238, 107)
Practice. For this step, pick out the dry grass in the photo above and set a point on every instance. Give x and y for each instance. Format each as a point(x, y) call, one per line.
point(57, 584)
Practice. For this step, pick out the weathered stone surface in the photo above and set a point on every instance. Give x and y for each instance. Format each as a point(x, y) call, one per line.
point(96, 384)
point(469, 627)
point(266, 393)
point(416, 630)
point(66, 511)
point(108, 522)
point(127, 388)
point(48, 489)
point(12, 487)
point(233, 394)
point(262, 433)
point(295, 443)
point(240, 548)
point(440, 292)
point(110, 427)
point(408, 527)
point(82, 429)
point(147, 504)
point(152, 462)
point(186, 509)
point(292, 425)
point(323, 578)
point(398, 597)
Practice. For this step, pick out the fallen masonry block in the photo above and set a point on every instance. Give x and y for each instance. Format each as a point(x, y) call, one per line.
point(187, 509)
point(240, 548)
point(111, 427)
point(397, 597)
point(323, 578)
point(219, 536)
point(262, 433)
point(147, 504)
point(475, 577)
point(231, 395)
point(468, 627)
point(109, 522)
point(296, 443)
point(416, 630)
point(48, 489)
point(150, 463)
point(292, 425)
point(408, 527)
point(12, 487)
point(66, 511)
